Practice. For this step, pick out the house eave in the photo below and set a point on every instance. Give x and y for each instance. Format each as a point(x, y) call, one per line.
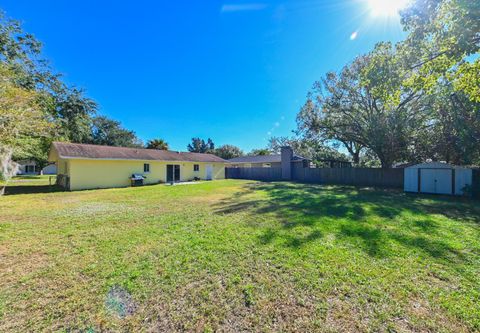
point(131, 159)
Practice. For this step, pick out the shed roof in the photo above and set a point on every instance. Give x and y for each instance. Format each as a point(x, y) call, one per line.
point(433, 165)
point(86, 151)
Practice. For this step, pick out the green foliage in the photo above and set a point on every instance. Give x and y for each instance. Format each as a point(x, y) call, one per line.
point(20, 51)
point(159, 144)
point(455, 133)
point(260, 152)
point(73, 113)
point(443, 34)
point(366, 106)
point(467, 80)
point(200, 146)
point(22, 120)
point(321, 132)
point(109, 132)
point(228, 151)
point(368, 159)
point(314, 150)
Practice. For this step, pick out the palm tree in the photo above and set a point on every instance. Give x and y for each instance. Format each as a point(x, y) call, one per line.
point(159, 144)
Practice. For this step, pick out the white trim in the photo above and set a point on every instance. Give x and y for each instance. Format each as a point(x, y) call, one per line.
point(435, 165)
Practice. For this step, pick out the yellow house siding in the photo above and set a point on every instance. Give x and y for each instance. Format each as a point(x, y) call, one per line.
point(219, 171)
point(89, 174)
point(62, 167)
point(187, 173)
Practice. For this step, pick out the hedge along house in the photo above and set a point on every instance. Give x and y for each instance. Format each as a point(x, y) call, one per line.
point(84, 166)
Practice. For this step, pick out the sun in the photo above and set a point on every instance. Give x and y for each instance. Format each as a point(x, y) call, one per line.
point(387, 8)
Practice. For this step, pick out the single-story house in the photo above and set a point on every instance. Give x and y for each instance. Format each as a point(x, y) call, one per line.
point(85, 166)
point(264, 161)
point(31, 168)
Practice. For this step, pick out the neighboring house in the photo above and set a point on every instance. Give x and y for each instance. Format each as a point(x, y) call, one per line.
point(31, 168)
point(264, 161)
point(83, 166)
point(27, 168)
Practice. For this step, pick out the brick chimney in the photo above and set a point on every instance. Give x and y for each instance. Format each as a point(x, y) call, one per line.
point(287, 155)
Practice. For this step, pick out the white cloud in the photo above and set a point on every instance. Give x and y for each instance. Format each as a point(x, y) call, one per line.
point(229, 8)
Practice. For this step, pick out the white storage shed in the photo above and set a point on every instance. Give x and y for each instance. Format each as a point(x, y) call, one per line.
point(437, 178)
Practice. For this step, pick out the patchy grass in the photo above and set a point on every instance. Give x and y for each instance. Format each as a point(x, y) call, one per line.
point(239, 256)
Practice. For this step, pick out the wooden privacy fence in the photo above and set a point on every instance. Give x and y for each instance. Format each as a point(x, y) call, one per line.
point(335, 176)
point(263, 174)
point(350, 176)
point(476, 183)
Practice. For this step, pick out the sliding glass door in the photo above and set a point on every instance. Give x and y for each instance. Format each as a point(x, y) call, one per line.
point(173, 173)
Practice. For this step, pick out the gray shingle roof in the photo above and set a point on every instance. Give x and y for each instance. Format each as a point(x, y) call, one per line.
point(257, 159)
point(79, 151)
point(277, 158)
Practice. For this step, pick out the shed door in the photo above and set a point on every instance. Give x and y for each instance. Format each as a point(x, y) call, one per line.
point(463, 177)
point(410, 180)
point(437, 181)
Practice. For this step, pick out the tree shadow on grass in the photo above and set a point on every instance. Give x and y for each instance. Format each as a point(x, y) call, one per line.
point(375, 241)
point(15, 190)
point(370, 219)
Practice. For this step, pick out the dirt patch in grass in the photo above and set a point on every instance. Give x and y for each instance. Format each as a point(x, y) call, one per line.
point(14, 266)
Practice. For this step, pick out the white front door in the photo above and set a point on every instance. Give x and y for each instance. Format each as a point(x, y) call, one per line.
point(209, 171)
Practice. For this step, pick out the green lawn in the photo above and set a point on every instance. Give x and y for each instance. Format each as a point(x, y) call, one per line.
point(238, 256)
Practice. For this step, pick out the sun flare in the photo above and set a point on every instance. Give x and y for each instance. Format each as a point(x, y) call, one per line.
point(386, 7)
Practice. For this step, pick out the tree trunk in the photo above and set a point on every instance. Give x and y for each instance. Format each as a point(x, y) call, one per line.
point(354, 151)
point(386, 164)
point(385, 160)
point(356, 158)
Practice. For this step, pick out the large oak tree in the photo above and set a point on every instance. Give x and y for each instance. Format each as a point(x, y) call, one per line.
point(366, 105)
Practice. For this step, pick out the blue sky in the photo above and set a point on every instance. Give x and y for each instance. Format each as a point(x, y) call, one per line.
point(234, 71)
